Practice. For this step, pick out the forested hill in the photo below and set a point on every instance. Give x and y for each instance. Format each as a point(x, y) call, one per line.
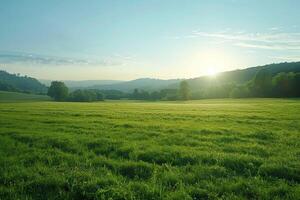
point(17, 83)
point(242, 76)
point(12, 82)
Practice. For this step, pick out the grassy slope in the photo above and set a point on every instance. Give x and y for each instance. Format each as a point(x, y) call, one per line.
point(227, 149)
point(21, 97)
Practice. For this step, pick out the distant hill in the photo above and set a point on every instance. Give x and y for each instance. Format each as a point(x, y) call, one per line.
point(83, 83)
point(242, 76)
point(148, 84)
point(236, 76)
point(24, 83)
point(15, 82)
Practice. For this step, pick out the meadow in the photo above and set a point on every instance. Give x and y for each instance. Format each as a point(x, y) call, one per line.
point(21, 97)
point(206, 149)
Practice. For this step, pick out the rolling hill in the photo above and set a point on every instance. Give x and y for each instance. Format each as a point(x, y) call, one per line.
point(240, 76)
point(148, 84)
point(243, 75)
point(15, 82)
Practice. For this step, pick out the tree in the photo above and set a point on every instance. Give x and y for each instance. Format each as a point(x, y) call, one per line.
point(6, 87)
point(169, 94)
point(22, 83)
point(135, 94)
point(144, 95)
point(184, 90)
point(100, 96)
point(296, 87)
point(262, 83)
point(240, 92)
point(85, 96)
point(155, 95)
point(285, 84)
point(58, 91)
point(113, 94)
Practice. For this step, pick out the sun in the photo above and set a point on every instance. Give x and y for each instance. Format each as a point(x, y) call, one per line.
point(211, 72)
point(212, 61)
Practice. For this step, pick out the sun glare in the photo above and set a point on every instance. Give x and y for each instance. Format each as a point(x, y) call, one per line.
point(210, 62)
point(211, 72)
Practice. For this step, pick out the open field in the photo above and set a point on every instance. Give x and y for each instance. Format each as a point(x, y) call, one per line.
point(21, 97)
point(208, 149)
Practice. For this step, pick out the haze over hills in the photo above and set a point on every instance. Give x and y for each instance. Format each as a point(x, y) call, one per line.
point(24, 83)
point(148, 84)
point(83, 83)
point(236, 76)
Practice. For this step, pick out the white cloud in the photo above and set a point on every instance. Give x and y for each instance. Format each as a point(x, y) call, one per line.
point(268, 46)
point(286, 58)
point(15, 57)
point(275, 28)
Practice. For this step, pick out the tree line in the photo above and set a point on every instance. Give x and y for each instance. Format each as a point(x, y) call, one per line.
point(60, 92)
point(283, 84)
point(263, 84)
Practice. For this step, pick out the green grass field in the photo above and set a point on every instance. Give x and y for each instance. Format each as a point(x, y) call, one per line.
point(209, 149)
point(21, 97)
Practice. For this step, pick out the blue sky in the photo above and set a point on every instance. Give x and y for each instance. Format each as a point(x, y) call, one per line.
point(128, 39)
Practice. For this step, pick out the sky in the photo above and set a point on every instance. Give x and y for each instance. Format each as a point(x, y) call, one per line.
point(129, 39)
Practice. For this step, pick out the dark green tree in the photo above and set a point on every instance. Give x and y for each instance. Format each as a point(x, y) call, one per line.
point(262, 83)
point(21, 83)
point(169, 94)
point(85, 96)
point(285, 84)
point(240, 92)
point(144, 95)
point(58, 91)
point(136, 94)
point(184, 90)
point(155, 95)
point(296, 84)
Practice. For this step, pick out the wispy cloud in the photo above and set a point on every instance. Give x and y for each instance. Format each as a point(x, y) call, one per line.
point(286, 58)
point(274, 28)
point(26, 58)
point(272, 40)
point(274, 46)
